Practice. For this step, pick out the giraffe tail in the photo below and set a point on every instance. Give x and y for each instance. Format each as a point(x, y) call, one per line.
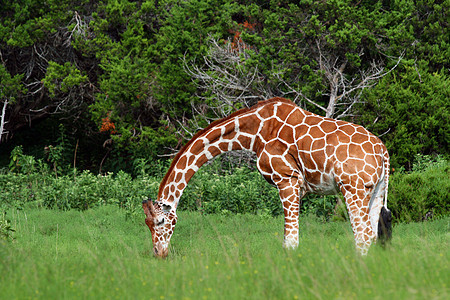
point(385, 219)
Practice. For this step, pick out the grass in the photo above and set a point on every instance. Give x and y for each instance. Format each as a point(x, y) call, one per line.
point(98, 254)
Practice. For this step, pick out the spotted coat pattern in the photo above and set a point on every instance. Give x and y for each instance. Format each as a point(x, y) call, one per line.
point(298, 152)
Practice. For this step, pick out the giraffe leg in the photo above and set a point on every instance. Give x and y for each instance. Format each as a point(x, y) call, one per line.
point(290, 198)
point(357, 201)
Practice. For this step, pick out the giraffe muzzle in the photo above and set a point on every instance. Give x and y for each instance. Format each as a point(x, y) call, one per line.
point(160, 252)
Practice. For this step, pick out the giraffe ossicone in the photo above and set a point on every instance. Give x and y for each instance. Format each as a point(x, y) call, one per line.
point(297, 151)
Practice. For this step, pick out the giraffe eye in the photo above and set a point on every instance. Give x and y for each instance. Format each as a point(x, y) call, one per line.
point(161, 222)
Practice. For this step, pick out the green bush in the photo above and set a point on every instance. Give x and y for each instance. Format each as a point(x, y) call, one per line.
point(87, 190)
point(243, 191)
point(421, 194)
point(418, 195)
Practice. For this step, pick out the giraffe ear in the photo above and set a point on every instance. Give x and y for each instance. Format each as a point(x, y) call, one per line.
point(166, 208)
point(148, 207)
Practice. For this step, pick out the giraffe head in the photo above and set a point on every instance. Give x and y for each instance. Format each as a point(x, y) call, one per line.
point(160, 219)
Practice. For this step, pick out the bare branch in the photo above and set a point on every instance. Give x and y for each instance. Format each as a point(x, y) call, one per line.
point(225, 75)
point(2, 119)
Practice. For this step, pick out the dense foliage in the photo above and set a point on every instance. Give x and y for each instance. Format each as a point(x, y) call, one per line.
point(102, 84)
point(419, 195)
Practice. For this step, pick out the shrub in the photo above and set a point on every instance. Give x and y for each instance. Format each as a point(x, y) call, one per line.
point(243, 191)
point(421, 194)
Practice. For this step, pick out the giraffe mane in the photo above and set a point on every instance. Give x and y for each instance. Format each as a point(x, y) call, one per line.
point(213, 124)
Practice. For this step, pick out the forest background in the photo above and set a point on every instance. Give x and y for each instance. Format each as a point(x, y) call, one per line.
point(118, 86)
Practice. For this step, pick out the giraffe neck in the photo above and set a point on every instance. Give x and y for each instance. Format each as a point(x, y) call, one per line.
point(237, 132)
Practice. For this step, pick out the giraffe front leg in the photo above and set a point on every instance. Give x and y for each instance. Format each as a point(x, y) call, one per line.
point(290, 198)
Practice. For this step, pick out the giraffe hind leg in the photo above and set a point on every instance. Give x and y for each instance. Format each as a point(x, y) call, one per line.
point(357, 200)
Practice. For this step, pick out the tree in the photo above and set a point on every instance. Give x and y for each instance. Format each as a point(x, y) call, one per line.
point(329, 59)
point(410, 110)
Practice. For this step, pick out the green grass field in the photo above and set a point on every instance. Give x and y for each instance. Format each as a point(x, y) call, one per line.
point(98, 254)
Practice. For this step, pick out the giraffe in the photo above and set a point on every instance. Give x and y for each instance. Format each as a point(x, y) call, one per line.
point(297, 151)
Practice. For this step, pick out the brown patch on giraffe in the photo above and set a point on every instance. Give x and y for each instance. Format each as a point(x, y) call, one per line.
point(307, 160)
point(328, 166)
point(374, 140)
point(371, 160)
point(377, 148)
point(359, 204)
point(365, 218)
point(269, 129)
point(352, 166)
point(367, 147)
point(318, 144)
point(171, 177)
point(230, 131)
point(197, 147)
point(359, 138)
point(366, 178)
point(245, 141)
point(201, 160)
point(306, 142)
point(191, 160)
point(313, 177)
point(213, 135)
point(276, 162)
point(267, 111)
point(214, 151)
point(313, 120)
point(286, 133)
point(369, 169)
point(178, 177)
point(189, 174)
point(329, 150)
point(223, 146)
point(341, 152)
point(249, 124)
point(331, 139)
point(276, 147)
point(343, 137)
point(361, 129)
point(166, 190)
point(319, 158)
point(328, 126)
point(181, 164)
point(356, 151)
point(283, 112)
point(300, 131)
point(316, 132)
point(296, 117)
point(264, 163)
point(349, 129)
point(181, 186)
point(236, 146)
